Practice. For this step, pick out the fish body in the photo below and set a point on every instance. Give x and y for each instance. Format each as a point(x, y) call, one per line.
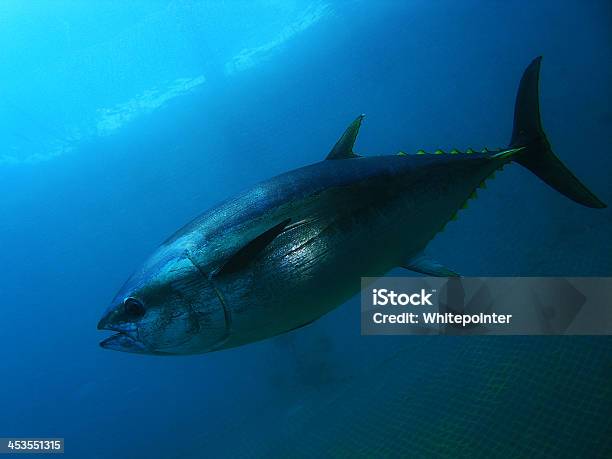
point(285, 252)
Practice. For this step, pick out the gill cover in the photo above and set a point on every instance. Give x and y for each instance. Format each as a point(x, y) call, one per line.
point(200, 320)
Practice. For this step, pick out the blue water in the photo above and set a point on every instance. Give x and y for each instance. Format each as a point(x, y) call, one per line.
point(119, 123)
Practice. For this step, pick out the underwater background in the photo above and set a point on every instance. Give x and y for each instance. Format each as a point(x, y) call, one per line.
point(121, 121)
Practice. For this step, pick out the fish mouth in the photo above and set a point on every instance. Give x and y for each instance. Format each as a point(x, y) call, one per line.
point(123, 342)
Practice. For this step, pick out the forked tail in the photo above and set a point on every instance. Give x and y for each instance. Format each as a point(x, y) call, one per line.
point(538, 156)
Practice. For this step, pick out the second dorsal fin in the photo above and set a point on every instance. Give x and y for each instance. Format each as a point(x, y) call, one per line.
point(344, 146)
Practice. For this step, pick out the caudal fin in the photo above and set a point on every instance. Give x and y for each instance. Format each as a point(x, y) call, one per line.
point(538, 156)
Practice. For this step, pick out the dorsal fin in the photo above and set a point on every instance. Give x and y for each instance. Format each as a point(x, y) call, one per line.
point(249, 252)
point(344, 146)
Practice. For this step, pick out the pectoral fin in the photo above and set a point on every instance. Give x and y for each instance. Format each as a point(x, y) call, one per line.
point(421, 263)
point(251, 250)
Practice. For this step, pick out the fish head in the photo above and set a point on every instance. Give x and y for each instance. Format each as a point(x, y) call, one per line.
point(168, 306)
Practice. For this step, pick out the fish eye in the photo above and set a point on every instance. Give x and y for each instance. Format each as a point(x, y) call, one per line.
point(133, 307)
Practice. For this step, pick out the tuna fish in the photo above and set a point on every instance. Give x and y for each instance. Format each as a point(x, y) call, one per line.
point(292, 248)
